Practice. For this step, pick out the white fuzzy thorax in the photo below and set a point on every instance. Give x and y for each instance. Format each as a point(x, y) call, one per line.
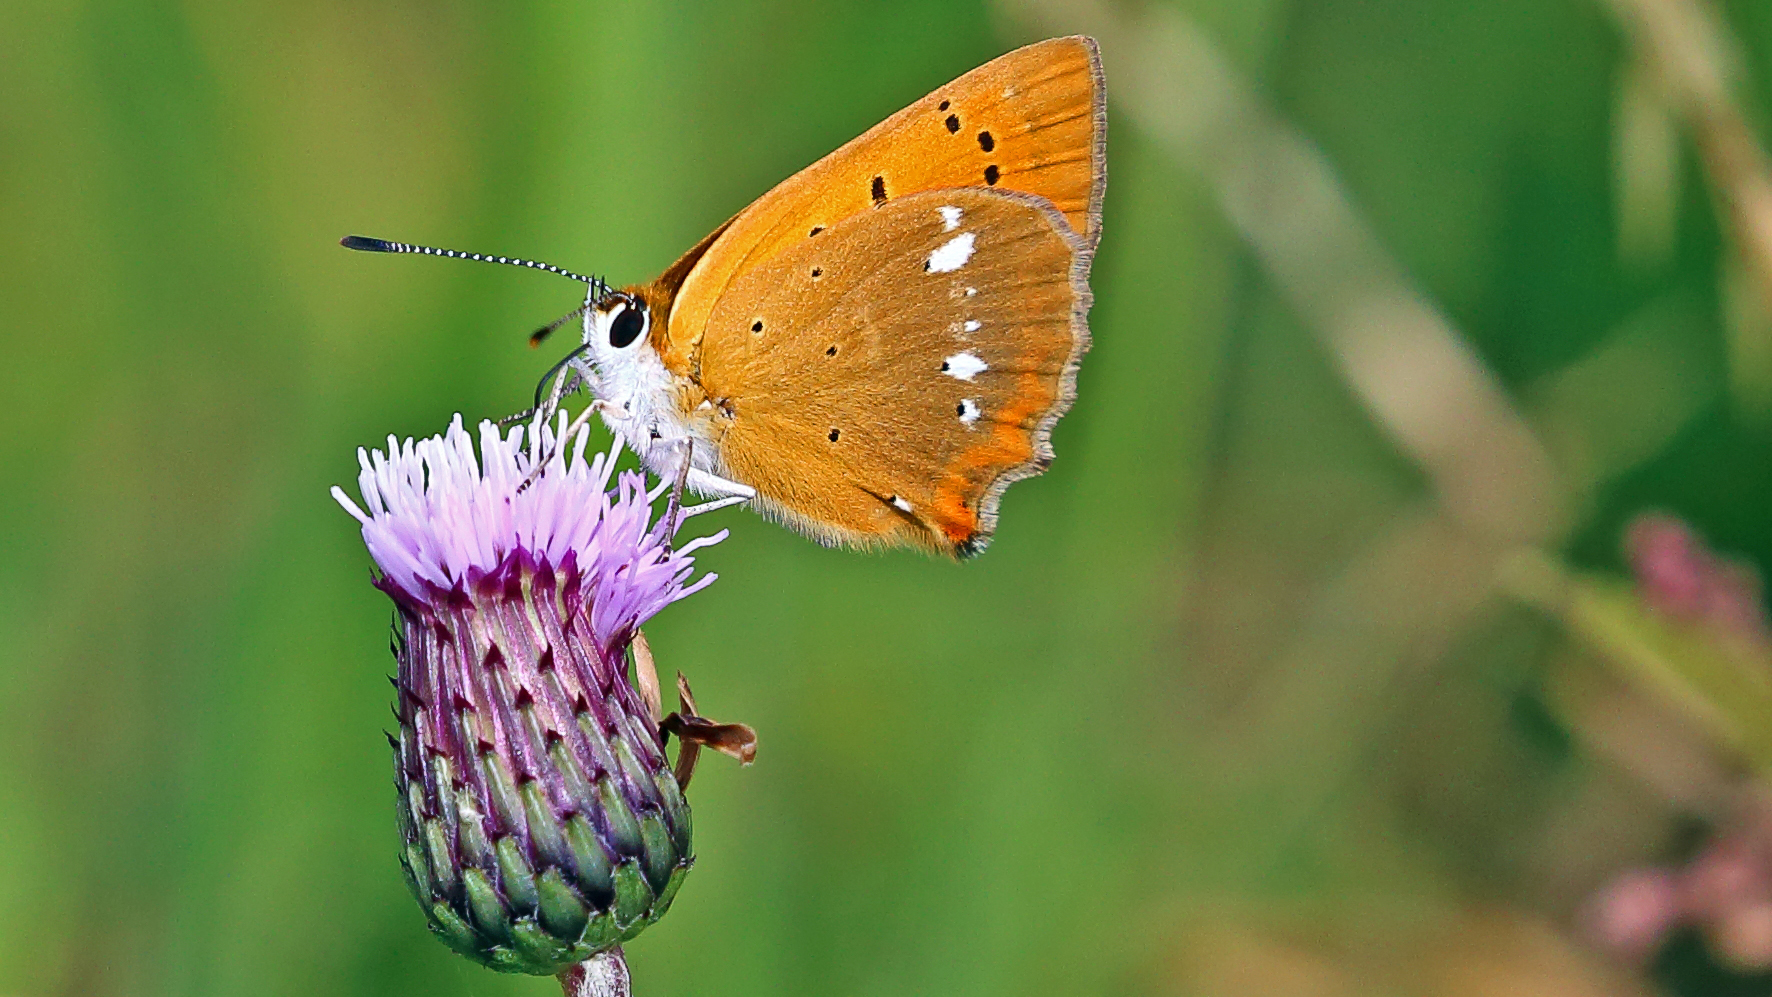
point(641, 403)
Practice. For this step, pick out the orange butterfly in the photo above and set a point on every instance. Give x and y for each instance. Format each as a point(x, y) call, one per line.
point(876, 349)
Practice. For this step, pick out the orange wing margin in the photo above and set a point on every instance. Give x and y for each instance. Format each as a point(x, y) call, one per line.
point(1032, 121)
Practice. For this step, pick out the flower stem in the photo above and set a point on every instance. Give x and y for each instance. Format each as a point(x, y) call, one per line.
point(603, 975)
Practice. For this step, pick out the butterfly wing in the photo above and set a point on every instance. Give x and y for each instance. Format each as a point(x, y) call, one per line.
point(886, 381)
point(1032, 121)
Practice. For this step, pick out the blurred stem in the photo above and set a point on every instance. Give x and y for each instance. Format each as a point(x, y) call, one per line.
point(1646, 160)
point(1712, 678)
point(603, 975)
point(1398, 602)
point(1688, 56)
point(1399, 354)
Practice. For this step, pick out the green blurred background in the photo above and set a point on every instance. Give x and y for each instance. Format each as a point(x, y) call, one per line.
point(1403, 309)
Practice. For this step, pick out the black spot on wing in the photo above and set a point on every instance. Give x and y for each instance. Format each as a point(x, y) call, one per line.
point(985, 141)
point(991, 173)
point(834, 434)
point(879, 191)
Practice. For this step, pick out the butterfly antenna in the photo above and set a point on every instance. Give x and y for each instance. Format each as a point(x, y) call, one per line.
point(361, 243)
point(536, 337)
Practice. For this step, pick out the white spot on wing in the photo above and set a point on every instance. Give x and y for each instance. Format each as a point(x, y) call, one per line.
point(952, 254)
point(950, 218)
point(968, 412)
point(971, 291)
point(900, 504)
point(964, 366)
point(972, 325)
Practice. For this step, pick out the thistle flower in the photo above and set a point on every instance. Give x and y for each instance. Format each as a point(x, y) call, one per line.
point(541, 822)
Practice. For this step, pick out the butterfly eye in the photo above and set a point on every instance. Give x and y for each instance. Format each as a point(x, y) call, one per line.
point(627, 326)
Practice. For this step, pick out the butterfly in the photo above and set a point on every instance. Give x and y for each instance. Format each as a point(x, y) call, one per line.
point(875, 350)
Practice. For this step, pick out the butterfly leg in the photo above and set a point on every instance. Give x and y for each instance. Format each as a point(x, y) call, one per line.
point(572, 428)
point(715, 505)
point(725, 492)
point(564, 383)
point(729, 492)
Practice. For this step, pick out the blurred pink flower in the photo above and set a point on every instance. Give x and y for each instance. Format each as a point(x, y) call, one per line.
point(1631, 916)
point(1725, 891)
point(1678, 574)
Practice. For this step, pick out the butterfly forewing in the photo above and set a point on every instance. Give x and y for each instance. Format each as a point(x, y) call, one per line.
point(886, 381)
point(1031, 121)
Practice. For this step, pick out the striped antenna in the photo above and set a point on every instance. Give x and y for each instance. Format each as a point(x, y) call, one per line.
point(536, 337)
point(362, 243)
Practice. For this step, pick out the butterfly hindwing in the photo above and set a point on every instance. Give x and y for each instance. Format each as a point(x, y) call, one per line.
point(1031, 121)
point(886, 381)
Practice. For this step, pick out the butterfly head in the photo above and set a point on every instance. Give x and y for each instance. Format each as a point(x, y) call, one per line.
point(618, 329)
point(620, 349)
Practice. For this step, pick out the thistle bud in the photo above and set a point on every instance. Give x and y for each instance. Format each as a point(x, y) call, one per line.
point(541, 823)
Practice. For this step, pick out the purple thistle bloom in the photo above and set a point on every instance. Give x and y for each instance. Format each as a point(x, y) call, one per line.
point(540, 819)
point(439, 521)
